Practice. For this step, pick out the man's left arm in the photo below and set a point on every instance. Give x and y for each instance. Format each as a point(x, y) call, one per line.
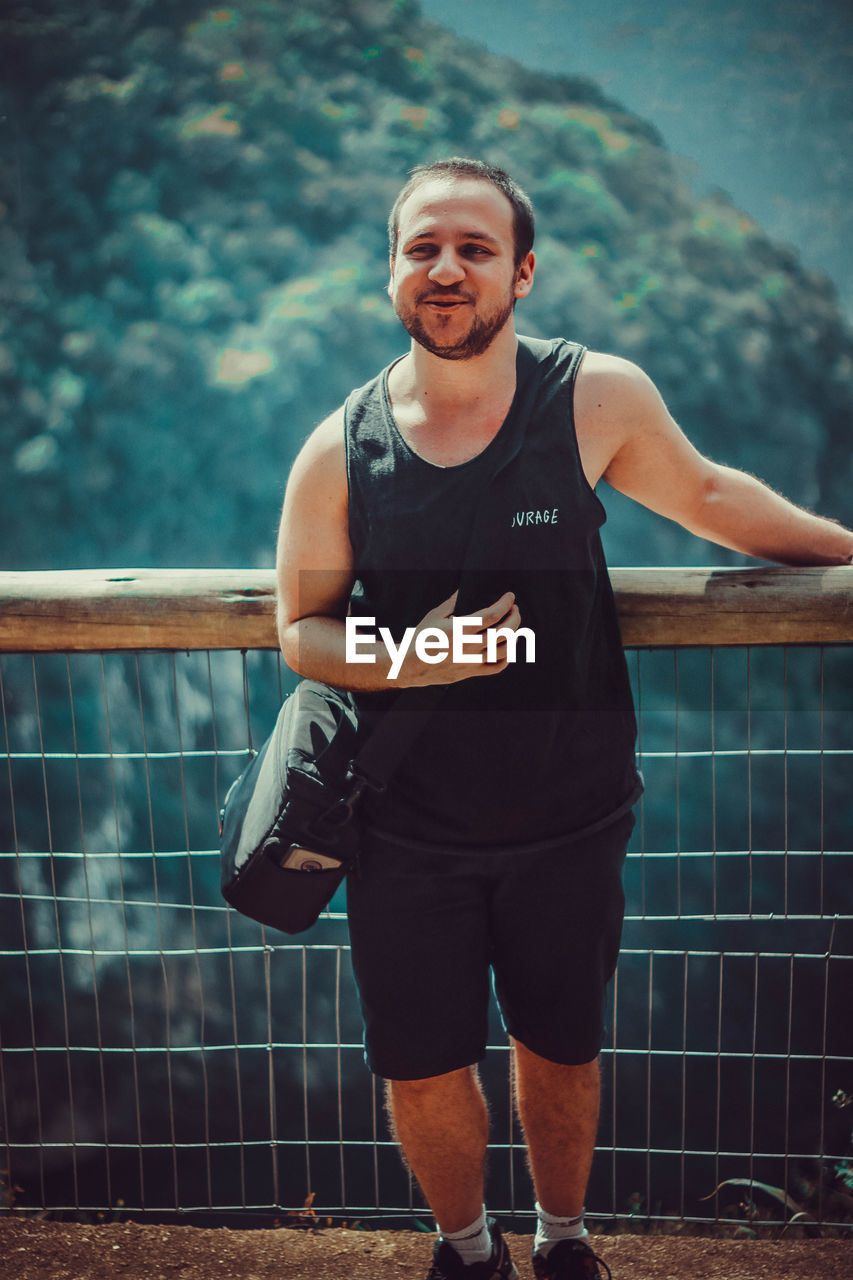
point(628, 437)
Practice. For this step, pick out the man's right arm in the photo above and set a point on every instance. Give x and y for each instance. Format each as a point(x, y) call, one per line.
point(314, 564)
point(315, 572)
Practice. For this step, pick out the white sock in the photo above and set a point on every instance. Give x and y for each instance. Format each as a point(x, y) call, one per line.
point(550, 1230)
point(472, 1243)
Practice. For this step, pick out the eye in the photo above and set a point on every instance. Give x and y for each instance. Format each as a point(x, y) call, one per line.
point(423, 250)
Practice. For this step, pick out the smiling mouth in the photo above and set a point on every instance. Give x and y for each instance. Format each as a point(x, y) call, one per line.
point(444, 304)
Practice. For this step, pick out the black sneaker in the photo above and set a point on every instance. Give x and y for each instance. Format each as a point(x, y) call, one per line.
point(570, 1260)
point(448, 1265)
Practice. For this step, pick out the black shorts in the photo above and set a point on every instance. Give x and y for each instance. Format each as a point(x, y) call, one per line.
point(426, 928)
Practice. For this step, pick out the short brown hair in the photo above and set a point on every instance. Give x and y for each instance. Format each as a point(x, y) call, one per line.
point(459, 167)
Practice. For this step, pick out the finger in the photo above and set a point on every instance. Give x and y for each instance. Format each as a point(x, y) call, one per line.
point(501, 645)
point(512, 621)
point(494, 613)
point(445, 609)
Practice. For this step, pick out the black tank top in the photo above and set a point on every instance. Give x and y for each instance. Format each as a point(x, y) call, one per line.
point(544, 750)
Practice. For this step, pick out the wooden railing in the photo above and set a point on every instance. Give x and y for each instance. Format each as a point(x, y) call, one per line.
point(81, 610)
point(121, 966)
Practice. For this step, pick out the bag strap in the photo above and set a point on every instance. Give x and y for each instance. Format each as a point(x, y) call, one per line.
point(381, 753)
point(400, 726)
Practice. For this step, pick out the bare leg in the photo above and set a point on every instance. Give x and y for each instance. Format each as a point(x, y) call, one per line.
point(442, 1126)
point(558, 1109)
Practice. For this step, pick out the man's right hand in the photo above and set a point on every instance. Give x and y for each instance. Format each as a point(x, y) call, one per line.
point(503, 614)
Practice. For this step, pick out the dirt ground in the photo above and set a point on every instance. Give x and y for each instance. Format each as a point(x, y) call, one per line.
point(31, 1249)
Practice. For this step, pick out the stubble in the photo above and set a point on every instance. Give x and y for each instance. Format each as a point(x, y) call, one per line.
point(475, 341)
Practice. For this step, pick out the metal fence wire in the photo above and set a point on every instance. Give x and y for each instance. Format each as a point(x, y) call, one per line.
point(160, 1054)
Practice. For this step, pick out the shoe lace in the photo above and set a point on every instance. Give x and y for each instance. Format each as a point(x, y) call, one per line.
point(602, 1263)
point(581, 1251)
point(593, 1257)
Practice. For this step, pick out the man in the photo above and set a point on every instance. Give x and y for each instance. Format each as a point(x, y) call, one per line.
point(500, 842)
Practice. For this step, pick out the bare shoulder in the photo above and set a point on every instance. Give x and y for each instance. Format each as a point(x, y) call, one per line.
point(316, 495)
point(323, 455)
point(614, 400)
point(314, 519)
point(608, 386)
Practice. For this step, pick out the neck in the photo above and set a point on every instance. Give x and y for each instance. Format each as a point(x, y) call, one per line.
point(454, 383)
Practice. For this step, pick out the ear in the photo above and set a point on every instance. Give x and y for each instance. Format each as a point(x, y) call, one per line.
point(524, 276)
point(391, 261)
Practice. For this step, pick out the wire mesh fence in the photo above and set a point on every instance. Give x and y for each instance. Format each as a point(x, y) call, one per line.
point(160, 1054)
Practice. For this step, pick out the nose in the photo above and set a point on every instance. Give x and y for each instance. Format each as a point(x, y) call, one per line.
point(447, 269)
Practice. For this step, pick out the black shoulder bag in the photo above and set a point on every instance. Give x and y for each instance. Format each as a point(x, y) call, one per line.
point(288, 835)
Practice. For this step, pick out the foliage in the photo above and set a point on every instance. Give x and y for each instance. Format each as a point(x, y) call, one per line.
point(192, 231)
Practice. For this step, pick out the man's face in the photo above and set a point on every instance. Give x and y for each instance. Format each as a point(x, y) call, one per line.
point(454, 282)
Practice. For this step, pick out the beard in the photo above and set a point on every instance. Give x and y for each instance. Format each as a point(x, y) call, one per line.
point(480, 336)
